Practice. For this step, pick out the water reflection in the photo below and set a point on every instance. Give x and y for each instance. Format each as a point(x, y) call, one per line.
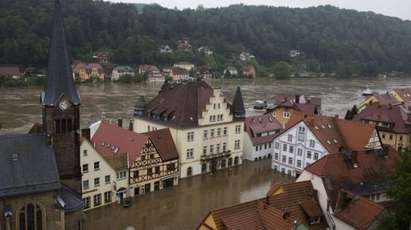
point(184, 206)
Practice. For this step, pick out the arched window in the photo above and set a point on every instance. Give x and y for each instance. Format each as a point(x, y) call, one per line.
point(30, 218)
point(236, 160)
point(189, 171)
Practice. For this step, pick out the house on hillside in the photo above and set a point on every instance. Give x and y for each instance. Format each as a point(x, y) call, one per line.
point(184, 46)
point(259, 134)
point(179, 74)
point(207, 51)
point(231, 70)
point(11, 71)
point(102, 57)
point(308, 138)
point(208, 136)
point(165, 49)
point(153, 72)
point(249, 71)
point(185, 65)
point(246, 56)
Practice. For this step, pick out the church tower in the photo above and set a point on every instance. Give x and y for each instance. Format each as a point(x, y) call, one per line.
point(61, 106)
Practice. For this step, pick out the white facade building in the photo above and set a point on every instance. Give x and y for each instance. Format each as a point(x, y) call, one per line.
point(207, 131)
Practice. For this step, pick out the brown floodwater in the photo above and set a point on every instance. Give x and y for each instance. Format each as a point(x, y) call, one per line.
point(19, 107)
point(183, 207)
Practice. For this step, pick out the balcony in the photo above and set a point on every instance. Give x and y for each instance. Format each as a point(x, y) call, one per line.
point(216, 155)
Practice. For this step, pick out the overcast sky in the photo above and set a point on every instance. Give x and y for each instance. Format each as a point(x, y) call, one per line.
point(396, 8)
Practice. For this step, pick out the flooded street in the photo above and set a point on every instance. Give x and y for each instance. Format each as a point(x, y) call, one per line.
point(184, 206)
point(19, 107)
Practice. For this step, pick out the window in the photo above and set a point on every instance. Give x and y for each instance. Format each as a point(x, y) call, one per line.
point(291, 149)
point(204, 150)
point(96, 182)
point(30, 217)
point(157, 169)
point(107, 179)
point(290, 138)
point(276, 156)
point(219, 105)
point(190, 136)
point(238, 129)
point(276, 145)
point(299, 152)
point(190, 153)
point(309, 154)
point(237, 144)
point(301, 129)
point(96, 166)
point(205, 134)
point(383, 136)
point(286, 114)
point(269, 145)
point(225, 131)
point(299, 163)
point(284, 159)
point(256, 148)
point(224, 147)
point(97, 200)
point(290, 161)
point(217, 148)
point(86, 201)
point(171, 167)
point(85, 168)
point(214, 106)
point(211, 149)
point(390, 137)
point(85, 185)
point(149, 171)
point(284, 147)
point(136, 174)
point(265, 146)
point(312, 144)
point(107, 197)
point(218, 132)
point(85, 152)
point(315, 156)
point(212, 133)
point(121, 175)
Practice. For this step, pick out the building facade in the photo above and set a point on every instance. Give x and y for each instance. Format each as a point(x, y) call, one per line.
point(87, 71)
point(258, 136)
point(207, 130)
point(309, 138)
point(122, 71)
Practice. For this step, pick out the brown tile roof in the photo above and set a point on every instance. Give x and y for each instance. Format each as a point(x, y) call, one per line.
point(148, 68)
point(404, 93)
point(164, 143)
point(275, 212)
point(10, 71)
point(110, 140)
point(357, 211)
point(335, 133)
point(305, 104)
point(261, 124)
point(363, 168)
point(181, 104)
point(179, 71)
point(395, 116)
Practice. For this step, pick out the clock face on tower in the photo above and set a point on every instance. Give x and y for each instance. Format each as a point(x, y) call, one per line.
point(64, 104)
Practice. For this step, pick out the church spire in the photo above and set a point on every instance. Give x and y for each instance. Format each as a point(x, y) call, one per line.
point(60, 78)
point(238, 104)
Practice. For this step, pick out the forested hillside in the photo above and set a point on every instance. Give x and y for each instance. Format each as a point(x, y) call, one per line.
point(330, 38)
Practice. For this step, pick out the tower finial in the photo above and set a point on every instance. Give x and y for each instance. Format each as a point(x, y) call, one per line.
point(238, 104)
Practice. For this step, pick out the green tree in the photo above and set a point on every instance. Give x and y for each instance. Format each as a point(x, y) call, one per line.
point(282, 70)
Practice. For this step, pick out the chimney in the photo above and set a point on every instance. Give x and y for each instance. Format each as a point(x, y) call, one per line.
point(120, 123)
point(85, 133)
point(297, 99)
point(131, 125)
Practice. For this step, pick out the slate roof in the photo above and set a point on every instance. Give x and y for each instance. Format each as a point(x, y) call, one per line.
point(60, 78)
point(238, 104)
point(72, 199)
point(180, 104)
point(27, 165)
point(164, 143)
point(261, 124)
point(395, 116)
point(334, 133)
point(359, 212)
point(275, 212)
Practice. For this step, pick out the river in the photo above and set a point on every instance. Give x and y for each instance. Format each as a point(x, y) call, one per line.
point(19, 107)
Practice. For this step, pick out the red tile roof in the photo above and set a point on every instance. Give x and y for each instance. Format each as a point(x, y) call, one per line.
point(385, 99)
point(334, 133)
point(275, 212)
point(359, 212)
point(181, 104)
point(261, 124)
point(305, 104)
point(164, 143)
point(395, 116)
point(110, 140)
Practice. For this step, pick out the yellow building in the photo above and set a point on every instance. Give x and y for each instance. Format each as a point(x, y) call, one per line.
point(87, 71)
point(383, 99)
point(402, 94)
point(392, 121)
point(207, 130)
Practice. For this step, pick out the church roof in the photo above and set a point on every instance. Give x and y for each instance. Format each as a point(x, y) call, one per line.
point(27, 165)
point(238, 104)
point(60, 78)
